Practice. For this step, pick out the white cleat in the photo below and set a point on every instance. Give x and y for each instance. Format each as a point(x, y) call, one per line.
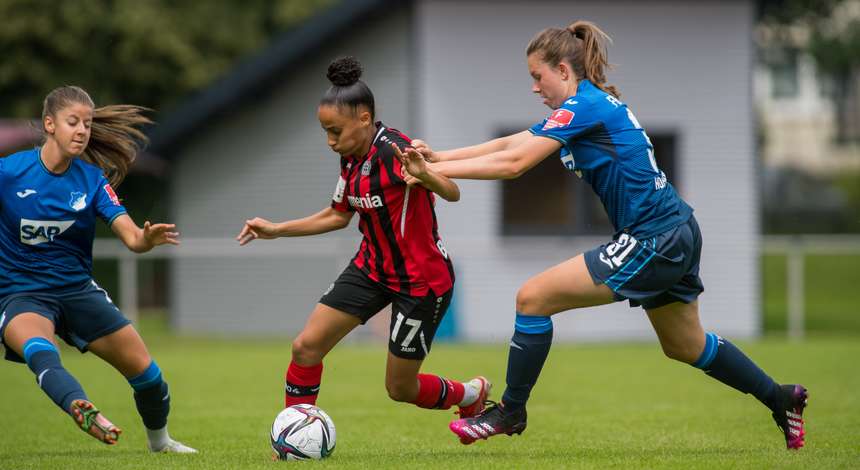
point(174, 447)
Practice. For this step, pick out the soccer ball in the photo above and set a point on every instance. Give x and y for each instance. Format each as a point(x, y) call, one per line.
point(303, 432)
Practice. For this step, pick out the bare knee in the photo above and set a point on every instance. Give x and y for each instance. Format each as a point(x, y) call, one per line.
point(402, 390)
point(687, 353)
point(306, 353)
point(529, 300)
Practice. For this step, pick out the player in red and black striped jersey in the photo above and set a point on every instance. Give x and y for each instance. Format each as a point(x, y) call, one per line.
point(401, 260)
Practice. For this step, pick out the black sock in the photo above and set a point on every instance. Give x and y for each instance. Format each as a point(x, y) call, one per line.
point(152, 397)
point(529, 349)
point(44, 360)
point(726, 363)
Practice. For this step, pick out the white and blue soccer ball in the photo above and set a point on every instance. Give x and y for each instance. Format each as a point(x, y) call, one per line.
point(303, 432)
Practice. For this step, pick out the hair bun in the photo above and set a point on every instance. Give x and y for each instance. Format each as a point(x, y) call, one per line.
point(344, 71)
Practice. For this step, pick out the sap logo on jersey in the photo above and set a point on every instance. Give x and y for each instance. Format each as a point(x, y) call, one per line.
point(365, 202)
point(559, 118)
point(35, 232)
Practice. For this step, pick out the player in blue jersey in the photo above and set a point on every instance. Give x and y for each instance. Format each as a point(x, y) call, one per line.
point(50, 198)
point(653, 258)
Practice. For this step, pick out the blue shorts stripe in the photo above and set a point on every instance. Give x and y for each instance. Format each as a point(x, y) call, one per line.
point(532, 325)
point(711, 345)
point(34, 345)
point(624, 269)
point(151, 376)
point(636, 271)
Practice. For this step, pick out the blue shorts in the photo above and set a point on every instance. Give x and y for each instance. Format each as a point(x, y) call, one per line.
point(80, 314)
point(651, 272)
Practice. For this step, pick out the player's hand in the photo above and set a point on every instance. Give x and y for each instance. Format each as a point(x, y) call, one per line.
point(160, 234)
point(424, 150)
point(257, 228)
point(413, 165)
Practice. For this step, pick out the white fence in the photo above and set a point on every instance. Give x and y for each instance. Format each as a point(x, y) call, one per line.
point(794, 247)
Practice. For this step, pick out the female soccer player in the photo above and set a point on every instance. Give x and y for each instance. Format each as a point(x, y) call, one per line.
point(653, 258)
point(50, 198)
point(401, 260)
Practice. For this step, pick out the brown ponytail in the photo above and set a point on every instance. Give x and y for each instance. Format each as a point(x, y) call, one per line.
point(583, 45)
point(115, 136)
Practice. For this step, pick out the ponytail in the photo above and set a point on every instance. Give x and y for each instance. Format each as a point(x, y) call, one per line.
point(583, 45)
point(115, 137)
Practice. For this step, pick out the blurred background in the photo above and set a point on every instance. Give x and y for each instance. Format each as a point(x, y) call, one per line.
point(753, 108)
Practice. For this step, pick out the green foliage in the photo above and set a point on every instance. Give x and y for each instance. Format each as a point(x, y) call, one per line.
point(149, 53)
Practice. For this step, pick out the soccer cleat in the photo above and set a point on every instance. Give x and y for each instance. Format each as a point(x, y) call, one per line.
point(483, 386)
point(174, 447)
point(494, 420)
point(91, 421)
point(789, 418)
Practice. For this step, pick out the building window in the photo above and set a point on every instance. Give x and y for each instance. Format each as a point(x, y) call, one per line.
point(550, 200)
point(783, 72)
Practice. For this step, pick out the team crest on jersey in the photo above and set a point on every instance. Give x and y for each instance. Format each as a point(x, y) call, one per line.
point(559, 118)
point(365, 168)
point(111, 194)
point(78, 200)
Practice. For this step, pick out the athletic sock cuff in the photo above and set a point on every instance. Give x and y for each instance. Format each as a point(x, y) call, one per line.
point(712, 343)
point(147, 379)
point(532, 325)
point(37, 344)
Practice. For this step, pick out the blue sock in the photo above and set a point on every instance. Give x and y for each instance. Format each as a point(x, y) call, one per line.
point(726, 363)
point(151, 396)
point(44, 360)
point(529, 349)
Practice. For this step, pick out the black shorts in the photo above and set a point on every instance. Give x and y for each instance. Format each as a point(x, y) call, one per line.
point(413, 319)
point(80, 315)
point(651, 272)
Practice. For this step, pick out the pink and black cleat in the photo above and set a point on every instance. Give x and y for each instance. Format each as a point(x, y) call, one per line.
point(494, 420)
point(789, 419)
point(484, 386)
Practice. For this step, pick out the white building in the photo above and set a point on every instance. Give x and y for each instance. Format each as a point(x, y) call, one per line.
point(454, 73)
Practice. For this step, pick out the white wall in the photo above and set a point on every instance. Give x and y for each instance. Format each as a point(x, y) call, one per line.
point(682, 66)
point(454, 73)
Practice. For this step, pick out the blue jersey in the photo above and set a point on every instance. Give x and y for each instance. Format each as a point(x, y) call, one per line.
point(47, 222)
point(604, 144)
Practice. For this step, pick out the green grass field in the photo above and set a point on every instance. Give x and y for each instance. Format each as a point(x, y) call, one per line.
point(597, 406)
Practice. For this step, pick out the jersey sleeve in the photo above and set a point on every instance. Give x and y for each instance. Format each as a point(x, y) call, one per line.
point(566, 123)
point(108, 206)
point(338, 199)
point(389, 159)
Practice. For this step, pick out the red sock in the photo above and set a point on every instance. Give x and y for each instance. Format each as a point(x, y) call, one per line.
point(438, 392)
point(303, 384)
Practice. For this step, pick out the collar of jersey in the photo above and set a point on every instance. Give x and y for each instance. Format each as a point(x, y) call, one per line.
point(42, 164)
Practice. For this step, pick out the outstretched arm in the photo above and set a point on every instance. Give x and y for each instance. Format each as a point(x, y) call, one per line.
point(323, 221)
point(141, 240)
point(415, 171)
point(502, 164)
point(472, 151)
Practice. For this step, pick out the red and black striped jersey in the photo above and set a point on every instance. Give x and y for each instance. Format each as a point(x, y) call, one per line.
point(401, 248)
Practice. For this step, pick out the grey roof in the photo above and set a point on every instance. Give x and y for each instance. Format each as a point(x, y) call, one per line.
point(258, 74)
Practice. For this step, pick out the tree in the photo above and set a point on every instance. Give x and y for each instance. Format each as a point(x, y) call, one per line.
point(150, 53)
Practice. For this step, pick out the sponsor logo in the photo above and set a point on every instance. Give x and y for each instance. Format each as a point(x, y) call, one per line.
point(405, 349)
point(614, 101)
point(366, 167)
point(559, 118)
point(111, 194)
point(25, 193)
point(78, 200)
point(571, 102)
point(35, 232)
point(365, 202)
